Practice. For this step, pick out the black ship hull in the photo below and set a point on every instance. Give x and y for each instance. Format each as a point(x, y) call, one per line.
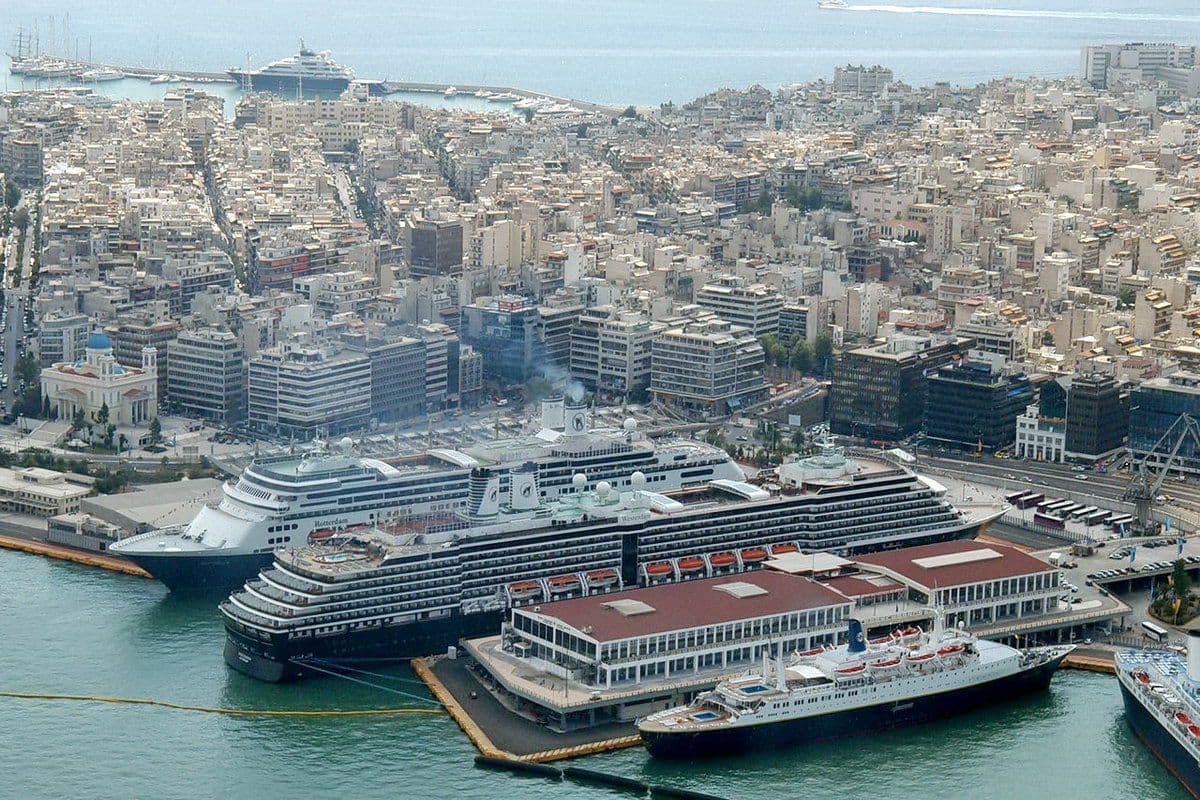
point(280, 659)
point(855, 722)
point(1162, 744)
point(289, 83)
point(203, 573)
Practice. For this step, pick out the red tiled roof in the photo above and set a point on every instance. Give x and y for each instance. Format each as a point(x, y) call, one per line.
point(1012, 563)
point(691, 604)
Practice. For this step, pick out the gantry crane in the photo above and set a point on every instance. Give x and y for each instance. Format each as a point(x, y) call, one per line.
point(1148, 477)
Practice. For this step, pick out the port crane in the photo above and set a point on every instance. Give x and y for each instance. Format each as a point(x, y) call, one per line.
point(1148, 477)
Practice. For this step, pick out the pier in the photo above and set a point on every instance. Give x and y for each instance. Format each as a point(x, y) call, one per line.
point(63, 553)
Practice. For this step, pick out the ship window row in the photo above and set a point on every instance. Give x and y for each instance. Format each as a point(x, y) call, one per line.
point(376, 577)
point(430, 578)
point(277, 616)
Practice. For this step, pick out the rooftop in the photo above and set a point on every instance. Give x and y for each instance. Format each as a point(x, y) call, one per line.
point(947, 564)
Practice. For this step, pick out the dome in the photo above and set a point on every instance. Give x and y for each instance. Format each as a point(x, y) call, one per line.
point(98, 341)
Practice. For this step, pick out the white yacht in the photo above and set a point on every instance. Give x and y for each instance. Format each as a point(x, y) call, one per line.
point(307, 69)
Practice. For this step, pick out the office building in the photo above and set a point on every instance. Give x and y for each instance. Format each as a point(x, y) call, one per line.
point(1097, 417)
point(611, 351)
point(302, 389)
point(752, 306)
point(206, 376)
point(504, 331)
point(1154, 407)
point(706, 366)
point(62, 336)
point(435, 247)
point(975, 404)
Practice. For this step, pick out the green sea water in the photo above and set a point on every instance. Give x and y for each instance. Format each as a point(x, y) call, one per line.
point(71, 629)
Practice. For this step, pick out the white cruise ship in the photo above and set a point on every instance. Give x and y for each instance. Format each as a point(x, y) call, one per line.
point(278, 502)
point(407, 589)
point(305, 70)
point(855, 689)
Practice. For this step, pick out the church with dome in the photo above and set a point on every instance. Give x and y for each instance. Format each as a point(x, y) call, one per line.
point(131, 393)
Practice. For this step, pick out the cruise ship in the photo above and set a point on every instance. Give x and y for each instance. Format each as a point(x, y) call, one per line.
point(858, 688)
point(305, 70)
point(279, 501)
point(412, 589)
point(1161, 691)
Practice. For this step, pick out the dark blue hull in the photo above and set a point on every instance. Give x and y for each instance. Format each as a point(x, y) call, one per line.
point(1162, 744)
point(285, 83)
point(279, 659)
point(203, 573)
point(856, 722)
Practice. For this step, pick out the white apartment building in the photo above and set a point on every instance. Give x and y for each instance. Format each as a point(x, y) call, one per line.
point(611, 350)
point(706, 365)
point(1040, 438)
point(301, 388)
point(752, 306)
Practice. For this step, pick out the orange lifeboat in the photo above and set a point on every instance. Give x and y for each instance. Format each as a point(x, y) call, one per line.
point(920, 658)
point(522, 590)
point(659, 569)
point(1182, 718)
point(1194, 730)
point(1142, 676)
point(880, 640)
point(691, 564)
point(778, 549)
point(602, 577)
point(951, 650)
point(887, 663)
point(850, 670)
point(563, 583)
point(722, 560)
point(816, 651)
point(752, 555)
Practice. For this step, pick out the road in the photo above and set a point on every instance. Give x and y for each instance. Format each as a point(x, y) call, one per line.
point(15, 303)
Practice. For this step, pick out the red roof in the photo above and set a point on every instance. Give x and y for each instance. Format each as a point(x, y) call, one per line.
point(1008, 562)
point(854, 586)
point(691, 604)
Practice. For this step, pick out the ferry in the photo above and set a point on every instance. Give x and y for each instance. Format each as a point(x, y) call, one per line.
point(409, 588)
point(855, 689)
point(1161, 693)
point(279, 501)
point(307, 69)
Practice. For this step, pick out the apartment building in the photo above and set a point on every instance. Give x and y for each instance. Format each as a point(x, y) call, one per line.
point(206, 376)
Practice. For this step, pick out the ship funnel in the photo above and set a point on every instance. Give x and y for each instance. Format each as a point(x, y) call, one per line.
point(483, 493)
point(856, 639)
point(1193, 658)
point(552, 413)
point(576, 421)
point(524, 487)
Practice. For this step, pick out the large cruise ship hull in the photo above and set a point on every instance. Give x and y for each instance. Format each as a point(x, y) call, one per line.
point(281, 660)
point(290, 83)
point(1162, 744)
point(202, 573)
point(856, 722)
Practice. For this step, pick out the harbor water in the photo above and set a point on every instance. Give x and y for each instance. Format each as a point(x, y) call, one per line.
point(607, 51)
point(70, 629)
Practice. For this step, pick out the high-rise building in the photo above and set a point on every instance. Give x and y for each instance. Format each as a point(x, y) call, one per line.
point(504, 331)
point(301, 388)
point(141, 329)
point(706, 366)
point(397, 376)
point(752, 306)
point(206, 376)
point(1097, 417)
point(61, 337)
point(610, 351)
point(435, 247)
point(1154, 407)
point(878, 392)
point(975, 404)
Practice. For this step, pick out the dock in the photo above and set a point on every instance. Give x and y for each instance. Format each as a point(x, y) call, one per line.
point(1091, 659)
point(64, 553)
point(497, 732)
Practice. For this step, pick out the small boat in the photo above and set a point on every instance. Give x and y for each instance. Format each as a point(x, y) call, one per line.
point(1194, 730)
point(1142, 676)
point(161, 79)
point(919, 658)
point(753, 555)
point(101, 74)
point(880, 640)
point(563, 583)
point(691, 564)
point(832, 4)
point(1182, 718)
point(907, 634)
point(523, 590)
point(660, 568)
point(885, 664)
point(451, 91)
point(816, 651)
point(722, 559)
point(483, 93)
point(950, 650)
point(780, 549)
point(850, 669)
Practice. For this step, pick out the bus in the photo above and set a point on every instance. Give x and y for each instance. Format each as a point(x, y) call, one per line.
point(1014, 498)
point(1155, 632)
point(1069, 509)
point(1098, 517)
point(1082, 513)
point(1121, 522)
point(1049, 520)
point(1048, 503)
point(1056, 506)
point(1031, 500)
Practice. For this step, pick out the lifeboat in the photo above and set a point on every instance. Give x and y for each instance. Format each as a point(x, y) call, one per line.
point(659, 569)
point(1194, 730)
point(1182, 718)
point(887, 663)
point(1141, 676)
point(691, 564)
point(880, 640)
point(816, 651)
point(523, 590)
point(602, 577)
point(950, 650)
point(905, 634)
point(752, 555)
point(563, 583)
point(320, 535)
point(852, 669)
point(722, 560)
point(919, 658)
point(779, 549)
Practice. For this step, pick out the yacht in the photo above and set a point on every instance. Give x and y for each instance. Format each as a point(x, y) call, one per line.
point(408, 588)
point(856, 689)
point(277, 502)
point(832, 4)
point(307, 69)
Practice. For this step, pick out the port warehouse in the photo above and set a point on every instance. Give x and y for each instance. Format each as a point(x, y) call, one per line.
point(614, 657)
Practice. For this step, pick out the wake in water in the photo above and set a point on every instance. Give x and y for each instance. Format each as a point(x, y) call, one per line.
point(953, 11)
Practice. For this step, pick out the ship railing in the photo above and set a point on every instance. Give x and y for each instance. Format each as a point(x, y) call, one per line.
point(141, 537)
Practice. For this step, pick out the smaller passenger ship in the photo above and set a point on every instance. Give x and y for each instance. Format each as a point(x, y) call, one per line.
point(861, 687)
point(1161, 692)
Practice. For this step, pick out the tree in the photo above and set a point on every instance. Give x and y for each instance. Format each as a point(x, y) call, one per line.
point(581, 130)
point(528, 114)
point(102, 414)
point(763, 206)
point(1126, 298)
point(155, 431)
point(823, 353)
point(1181, 582)
point(802, 357)
point(77, 419)
point(21, 217)
point(12, 194)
